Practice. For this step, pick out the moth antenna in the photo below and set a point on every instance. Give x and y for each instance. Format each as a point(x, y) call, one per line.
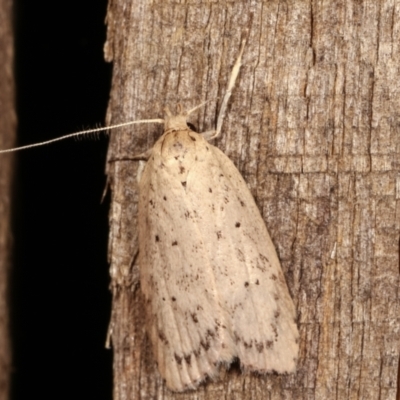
point(199, 106)
point(85, 132)
point(231, 84)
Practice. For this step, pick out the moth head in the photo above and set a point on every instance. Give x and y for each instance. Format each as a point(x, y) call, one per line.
point(179, 121)
point(175, 122)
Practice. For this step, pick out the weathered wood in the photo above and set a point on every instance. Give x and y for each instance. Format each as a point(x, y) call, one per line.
point(7, 139)
point(313, 126)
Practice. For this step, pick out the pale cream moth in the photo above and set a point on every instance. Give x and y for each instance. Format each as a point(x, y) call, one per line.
point(212, 282)
point(213, 285)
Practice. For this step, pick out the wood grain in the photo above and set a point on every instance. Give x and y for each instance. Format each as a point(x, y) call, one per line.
point(313, 126)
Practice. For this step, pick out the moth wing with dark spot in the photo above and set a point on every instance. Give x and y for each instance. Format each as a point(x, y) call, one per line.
point(212, 281)
point(249, 280)
point(184, 319)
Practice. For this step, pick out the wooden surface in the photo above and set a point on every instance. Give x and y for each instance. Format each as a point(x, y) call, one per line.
point(7, 139)
point(313, 126)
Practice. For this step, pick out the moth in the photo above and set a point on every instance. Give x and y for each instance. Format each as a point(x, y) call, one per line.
point(212, 282)
point(213, 286)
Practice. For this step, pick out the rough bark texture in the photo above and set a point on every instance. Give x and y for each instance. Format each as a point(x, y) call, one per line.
point(7, 138)
point(313, 126)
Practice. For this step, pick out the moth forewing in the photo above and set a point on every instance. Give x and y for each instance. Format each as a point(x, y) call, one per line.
point(212, 281)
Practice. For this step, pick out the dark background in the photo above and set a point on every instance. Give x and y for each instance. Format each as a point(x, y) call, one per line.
point(59, 283)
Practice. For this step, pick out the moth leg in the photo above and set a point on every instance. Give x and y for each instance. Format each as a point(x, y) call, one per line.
point(143, 156)
point(208, 135)
point(138, 157)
